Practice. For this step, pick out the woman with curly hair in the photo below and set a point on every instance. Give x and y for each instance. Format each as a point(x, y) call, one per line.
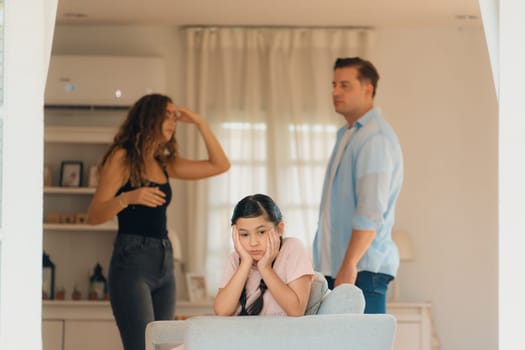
point(134, 185)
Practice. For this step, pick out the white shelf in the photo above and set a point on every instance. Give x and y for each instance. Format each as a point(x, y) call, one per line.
point(101, 310)
point(112, 227)
point(69, 190)
point(76, 310)
point(69, 134)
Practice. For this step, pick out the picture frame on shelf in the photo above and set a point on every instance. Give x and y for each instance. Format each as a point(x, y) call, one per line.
point(197, 290)
point(71, 173)
point(93, 176)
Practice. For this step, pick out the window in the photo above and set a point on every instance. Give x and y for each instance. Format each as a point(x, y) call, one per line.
point(291, 173)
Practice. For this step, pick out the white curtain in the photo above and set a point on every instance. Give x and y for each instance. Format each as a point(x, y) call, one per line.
point(266, 93)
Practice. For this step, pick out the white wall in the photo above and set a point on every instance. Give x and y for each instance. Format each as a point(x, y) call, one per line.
point(27, 30)
point(436, 90)
point(512, 171)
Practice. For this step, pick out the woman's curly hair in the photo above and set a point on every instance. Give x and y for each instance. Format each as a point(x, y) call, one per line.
point(139, 134)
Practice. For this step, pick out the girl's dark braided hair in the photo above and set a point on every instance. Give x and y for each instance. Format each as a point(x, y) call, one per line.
point(251, 207)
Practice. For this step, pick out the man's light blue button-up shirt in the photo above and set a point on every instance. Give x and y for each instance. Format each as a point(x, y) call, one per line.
point(365, 188)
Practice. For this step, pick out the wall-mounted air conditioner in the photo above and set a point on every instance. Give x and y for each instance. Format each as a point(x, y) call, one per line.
point(102, 81)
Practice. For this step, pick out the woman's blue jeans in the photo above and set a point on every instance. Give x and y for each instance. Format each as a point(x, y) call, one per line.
point(374, 287)
point(141, 285)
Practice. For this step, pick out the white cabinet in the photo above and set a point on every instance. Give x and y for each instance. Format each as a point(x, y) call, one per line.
point(52, 334)
point(89, 325)
point(415, 329)
point(90, 335)
point(78, 321)
point(85, 325)
point(80, 335)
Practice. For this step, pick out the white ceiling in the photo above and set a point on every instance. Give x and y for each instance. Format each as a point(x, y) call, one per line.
point(374, 13)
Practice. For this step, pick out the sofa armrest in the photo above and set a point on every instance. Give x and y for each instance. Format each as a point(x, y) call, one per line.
point(164, 334)
point(343, 299)
point(318, 291)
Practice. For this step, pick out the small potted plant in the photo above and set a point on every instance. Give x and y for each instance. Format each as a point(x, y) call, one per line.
point(76, 293)
point(92, 293)
point(61, 293)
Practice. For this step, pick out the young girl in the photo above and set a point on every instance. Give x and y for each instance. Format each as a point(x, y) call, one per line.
point(267, 274)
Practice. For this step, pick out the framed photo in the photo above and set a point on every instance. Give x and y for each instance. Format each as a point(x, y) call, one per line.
point(93, 176)
point(196, 287)
point(71, 173)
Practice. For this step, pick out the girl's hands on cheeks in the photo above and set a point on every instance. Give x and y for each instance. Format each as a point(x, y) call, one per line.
point(272, 250)
point(243, 254)
point(148, 196)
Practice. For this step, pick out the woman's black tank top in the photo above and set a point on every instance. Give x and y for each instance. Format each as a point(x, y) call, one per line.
point(143, 220)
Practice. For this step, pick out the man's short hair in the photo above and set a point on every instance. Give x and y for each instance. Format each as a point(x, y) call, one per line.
point(366, 70)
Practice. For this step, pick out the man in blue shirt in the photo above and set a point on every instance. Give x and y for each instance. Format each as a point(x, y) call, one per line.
point(353, 243)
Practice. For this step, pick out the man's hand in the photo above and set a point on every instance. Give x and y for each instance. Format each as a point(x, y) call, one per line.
point(359, 243)
point(347, 274)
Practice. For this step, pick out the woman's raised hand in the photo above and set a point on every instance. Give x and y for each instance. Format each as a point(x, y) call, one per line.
point(186, 115)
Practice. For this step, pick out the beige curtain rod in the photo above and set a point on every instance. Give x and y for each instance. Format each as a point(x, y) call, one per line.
point(274, 27)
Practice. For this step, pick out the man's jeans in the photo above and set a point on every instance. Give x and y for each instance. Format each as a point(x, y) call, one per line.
point(374, 287)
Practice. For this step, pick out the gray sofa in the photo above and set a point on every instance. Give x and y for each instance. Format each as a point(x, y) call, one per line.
point(335, 321)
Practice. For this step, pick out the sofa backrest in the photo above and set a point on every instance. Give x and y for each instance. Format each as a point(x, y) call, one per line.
point(340, 331)
point(344, 300)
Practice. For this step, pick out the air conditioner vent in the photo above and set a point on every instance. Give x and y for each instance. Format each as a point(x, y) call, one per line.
point(102, 82)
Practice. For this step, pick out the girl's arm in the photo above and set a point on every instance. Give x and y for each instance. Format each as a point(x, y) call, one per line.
point(227, 299)
point(292, 297)
point(104, 205)
point(217, 162)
